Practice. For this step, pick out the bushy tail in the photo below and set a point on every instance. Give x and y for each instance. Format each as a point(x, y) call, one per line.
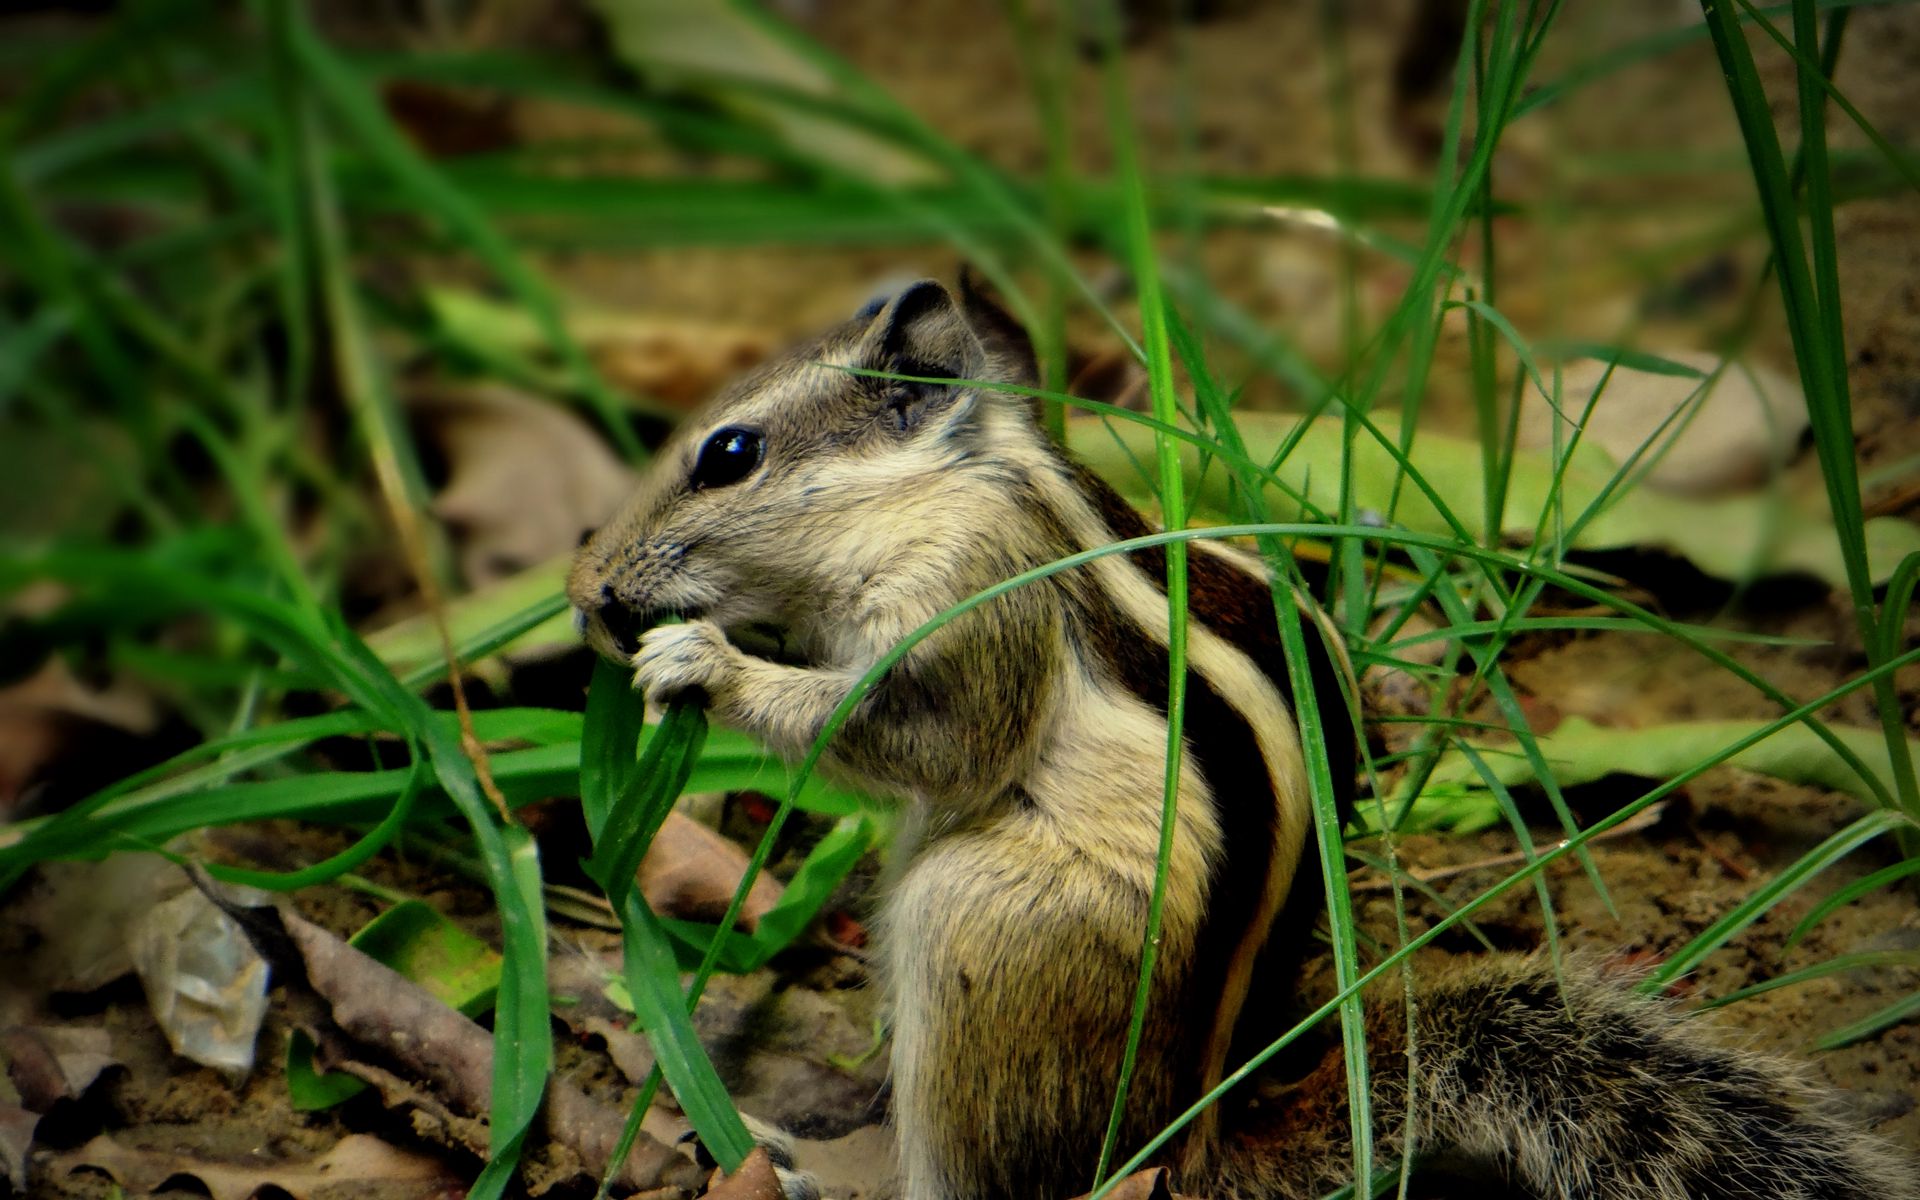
point(1578, 1092)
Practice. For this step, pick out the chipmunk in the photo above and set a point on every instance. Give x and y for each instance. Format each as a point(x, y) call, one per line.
point(1027, 740)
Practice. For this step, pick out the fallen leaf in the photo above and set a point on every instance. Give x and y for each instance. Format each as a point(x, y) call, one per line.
point(701, 48)
point(349, 995)
point(754, 1180)
point(82, 912)
point(354, 1159)
point(691, 872)
point(44, 1065)
point(413, 642)
point(53, 724)
point(1729, 537)
point(50, 1063)
point(525, 476)
point(1581, 752)
point(1744, 428)
point(844, 929)
point(414, 939)
point(678, 362)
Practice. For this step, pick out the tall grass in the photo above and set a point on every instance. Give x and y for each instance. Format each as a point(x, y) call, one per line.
point(1810, 293)
point(270, 188)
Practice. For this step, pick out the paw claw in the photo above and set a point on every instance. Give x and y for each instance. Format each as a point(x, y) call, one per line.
point(690, 661)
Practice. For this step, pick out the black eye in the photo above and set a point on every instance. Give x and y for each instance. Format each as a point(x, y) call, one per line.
point(729, 456)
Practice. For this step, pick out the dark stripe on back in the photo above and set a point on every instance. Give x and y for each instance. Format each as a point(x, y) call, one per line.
point(1238, 607)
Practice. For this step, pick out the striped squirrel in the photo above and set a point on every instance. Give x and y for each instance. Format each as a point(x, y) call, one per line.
point(1027, 737)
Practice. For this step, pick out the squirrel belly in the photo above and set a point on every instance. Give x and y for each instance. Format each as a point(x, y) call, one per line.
point(1027, 739)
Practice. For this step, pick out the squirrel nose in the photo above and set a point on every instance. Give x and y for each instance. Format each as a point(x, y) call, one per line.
point(620, 622)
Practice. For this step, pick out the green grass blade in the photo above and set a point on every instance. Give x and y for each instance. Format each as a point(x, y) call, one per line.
point(359, 111)
point(67, 71)
point(336, 865)
point(819, 876)
point(1486, 656)
point(609, 741)
point(623, 832)
point(1905, 1009)
point(1899, 598)
point(1816, 336)
point(522, 1037)
point(1465, 912)
point(1833, 966)
point(653, 980)
point(813, 884)
point(1842, 897)
point(1550, 921)
point(1814, 861)
point(624, 804)
point(1159, 359)
point(1250, 501)
point(1904, 165)
point(332, 797)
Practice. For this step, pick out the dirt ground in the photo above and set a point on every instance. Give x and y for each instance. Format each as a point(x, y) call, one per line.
point(1258, 107)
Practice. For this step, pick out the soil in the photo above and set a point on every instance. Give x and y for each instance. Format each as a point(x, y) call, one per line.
point(1259, 107)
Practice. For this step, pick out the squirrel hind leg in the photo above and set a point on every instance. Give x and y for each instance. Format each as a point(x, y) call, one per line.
point(1589, 1090)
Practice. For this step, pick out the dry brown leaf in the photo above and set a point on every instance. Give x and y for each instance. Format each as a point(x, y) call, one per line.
point(43, 1065)
point(365, 1000)
point(50, 1063)
point(691, 872)
point(677, 362)
point(674, 361)
point(525, 477)
point(355, 1159)
point(51, 717)
point(755, 1180)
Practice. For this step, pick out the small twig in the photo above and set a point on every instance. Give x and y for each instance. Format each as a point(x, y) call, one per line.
point(361, 384)
point(413, 545)
point(1374, 881)
point(1726, 861)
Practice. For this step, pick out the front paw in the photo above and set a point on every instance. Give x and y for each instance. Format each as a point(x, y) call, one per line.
point(693, 661)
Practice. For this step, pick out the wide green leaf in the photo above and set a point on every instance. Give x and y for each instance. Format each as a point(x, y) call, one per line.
point(1734, 537)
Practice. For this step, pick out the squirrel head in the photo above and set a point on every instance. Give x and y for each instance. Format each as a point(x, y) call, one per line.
point(766, 500)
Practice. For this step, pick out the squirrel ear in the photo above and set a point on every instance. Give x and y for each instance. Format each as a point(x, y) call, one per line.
point(1010, 356)
point(922, 331)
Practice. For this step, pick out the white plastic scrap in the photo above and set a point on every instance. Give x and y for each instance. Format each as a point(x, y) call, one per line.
point(206, 985)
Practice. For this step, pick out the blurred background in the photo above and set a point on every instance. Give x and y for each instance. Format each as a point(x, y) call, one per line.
point(372, 308)
point(271, 273)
